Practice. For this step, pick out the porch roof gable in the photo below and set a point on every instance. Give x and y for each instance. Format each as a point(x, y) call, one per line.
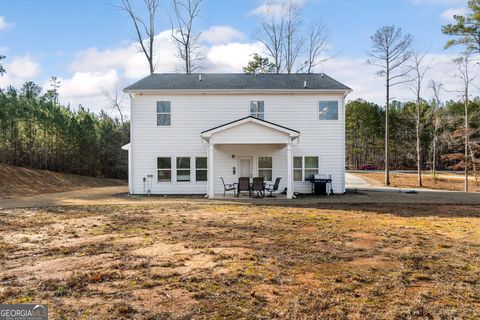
point(241, 131)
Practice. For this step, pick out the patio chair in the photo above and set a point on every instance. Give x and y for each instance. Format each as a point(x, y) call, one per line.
point(244, 185)
point(228, 187)
point(273, 187)
point(259, 186)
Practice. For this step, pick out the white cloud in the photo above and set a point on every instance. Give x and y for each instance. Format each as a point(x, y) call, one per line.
point(449, 13)
point(231, 57)
point(19, 70)
point(4, 24)
point(221, 35)
point(274, 7)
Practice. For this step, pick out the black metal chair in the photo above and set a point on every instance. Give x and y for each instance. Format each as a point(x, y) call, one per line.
point(273, 187)
point(258, 186)
point(228, 187)
point(244, 185)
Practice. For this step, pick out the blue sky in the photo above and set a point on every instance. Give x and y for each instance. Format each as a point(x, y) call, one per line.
point(88, 43)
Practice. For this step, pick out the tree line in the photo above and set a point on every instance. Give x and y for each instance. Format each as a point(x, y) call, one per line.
point(37, 132)
point(444, 122)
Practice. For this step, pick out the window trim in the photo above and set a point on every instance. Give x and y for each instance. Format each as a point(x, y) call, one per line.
point(164, 113)
point(201, 169)
point(189, 169)
point(264, 169)
point(256, 115)
point(310, 168)
point(165, 169)
point(304, 168)
point(302, 178)
point(338, 110)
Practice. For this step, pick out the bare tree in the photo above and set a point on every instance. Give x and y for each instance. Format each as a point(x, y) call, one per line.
point(294, 41)
point(184, 37)
point(419, 68)
point(436, 118)
point(115, 101)
point(463, 64)
point(390, 52)
point(317, 43)
point(271, 34)
point(145, 32)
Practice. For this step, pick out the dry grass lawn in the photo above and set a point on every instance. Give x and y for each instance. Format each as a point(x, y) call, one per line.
point(409, 180)
point(204, 260)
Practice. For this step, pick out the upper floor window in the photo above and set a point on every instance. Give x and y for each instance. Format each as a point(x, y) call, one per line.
point(164, 113)
point(328, 110)
point(257, 109)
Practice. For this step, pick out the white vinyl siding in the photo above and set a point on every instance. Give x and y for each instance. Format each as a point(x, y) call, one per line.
point(195, 113)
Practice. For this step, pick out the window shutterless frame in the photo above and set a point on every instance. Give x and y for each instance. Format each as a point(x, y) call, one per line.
point(265, 168)
point(328, 110)
point(183, 169)
point(201, 173)
point(257, 109)
point(164, 169)
point(164, 113)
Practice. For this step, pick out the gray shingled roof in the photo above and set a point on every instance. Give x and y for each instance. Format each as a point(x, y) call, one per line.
point(231, 81)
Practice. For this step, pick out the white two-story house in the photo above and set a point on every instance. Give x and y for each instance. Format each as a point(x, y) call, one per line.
point(190, 130)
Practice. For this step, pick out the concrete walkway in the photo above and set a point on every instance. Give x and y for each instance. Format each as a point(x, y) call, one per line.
point(354, 182)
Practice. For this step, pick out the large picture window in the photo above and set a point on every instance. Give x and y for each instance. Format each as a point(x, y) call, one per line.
point(257, 109)
point(164, 168)
point(183, 169)
point(328, 110)
point(201, 168)
point(297, 169)
point(265, 168)
point(164, 113)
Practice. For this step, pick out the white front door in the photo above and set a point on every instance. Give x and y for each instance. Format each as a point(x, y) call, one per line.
point(245, 167)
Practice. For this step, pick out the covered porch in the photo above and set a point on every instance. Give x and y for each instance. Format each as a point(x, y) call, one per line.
point(249, 147)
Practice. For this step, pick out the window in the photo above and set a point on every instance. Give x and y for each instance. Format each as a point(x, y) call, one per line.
point(297, 169)
point(265, 168)
point(164, 168)
point(164, 113)
point(201, 168)
point(328, 110)
point(311, 166)
point(257, 109)
point(183, 169)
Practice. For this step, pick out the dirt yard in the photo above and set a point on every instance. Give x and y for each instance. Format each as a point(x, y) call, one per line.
point(196, 259)
point(409, 180)
point(20, 182)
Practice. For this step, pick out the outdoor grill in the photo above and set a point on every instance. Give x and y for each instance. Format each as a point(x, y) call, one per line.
point(321, 184)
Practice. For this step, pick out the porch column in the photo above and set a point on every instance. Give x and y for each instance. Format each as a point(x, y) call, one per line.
point(211, 192)
point(289, 171)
